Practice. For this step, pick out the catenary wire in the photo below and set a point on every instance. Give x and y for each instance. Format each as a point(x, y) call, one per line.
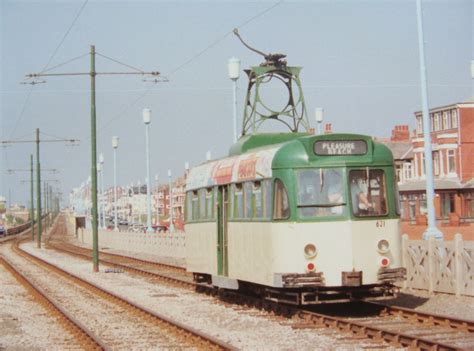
point(65, 35)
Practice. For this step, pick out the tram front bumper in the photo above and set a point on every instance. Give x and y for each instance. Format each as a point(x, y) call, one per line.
point(391, 275)
point(299, 280)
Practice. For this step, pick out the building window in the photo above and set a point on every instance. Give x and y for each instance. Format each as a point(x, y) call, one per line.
point(431, 121)
point(446, 120)
point(407, 171)
point(419, 125)
point(436, 122)
point(451, 161)
point(436, 163)
point(454, 119)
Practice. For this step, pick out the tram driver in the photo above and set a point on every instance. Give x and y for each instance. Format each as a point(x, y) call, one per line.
point(360, 203)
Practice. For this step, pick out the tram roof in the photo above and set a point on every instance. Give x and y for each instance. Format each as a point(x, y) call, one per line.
point(254, 157)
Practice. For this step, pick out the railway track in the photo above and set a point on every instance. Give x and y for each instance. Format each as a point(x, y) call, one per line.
point(117, 320)
point(82, 335)
point(393, 325)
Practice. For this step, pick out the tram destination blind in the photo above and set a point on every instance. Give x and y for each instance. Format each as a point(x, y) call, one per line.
point(340, 147)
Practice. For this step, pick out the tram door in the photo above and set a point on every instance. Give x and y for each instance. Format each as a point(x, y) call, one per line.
point(222, 208)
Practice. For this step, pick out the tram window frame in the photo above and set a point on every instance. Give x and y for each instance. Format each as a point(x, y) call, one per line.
point(195, 205)
point(189, 206)
point(238, 209)
point(248, 200)
point(321, 192)
point(257, 194)
point(209, 203)
point(267, 198)
point(202, 204)
point(281, 210)
point(365, 213)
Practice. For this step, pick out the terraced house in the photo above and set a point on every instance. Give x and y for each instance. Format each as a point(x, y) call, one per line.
point(452, 133)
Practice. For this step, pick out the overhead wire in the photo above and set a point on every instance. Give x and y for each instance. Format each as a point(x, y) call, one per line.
point(120, 63)
point(65, 35)
point(46, 66)
point(187, 62)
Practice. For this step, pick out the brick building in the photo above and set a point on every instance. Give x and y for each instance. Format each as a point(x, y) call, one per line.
point(452, 133)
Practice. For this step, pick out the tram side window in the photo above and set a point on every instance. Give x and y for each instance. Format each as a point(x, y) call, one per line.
point(238, 201)
point(368, 192)
point(257, 194)
point(267, 198)
point(209, 203)
point(189, 206)
point(248, 212)
point(195, 205)
point(202, 204)
point(281, 207)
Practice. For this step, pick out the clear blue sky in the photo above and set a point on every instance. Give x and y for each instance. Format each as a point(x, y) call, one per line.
point(360, 62)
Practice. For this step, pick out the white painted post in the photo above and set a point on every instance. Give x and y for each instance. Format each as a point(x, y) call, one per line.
point(431, 264)
point(405, 260)
point(458, 249)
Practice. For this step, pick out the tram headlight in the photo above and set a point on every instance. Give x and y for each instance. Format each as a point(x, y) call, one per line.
point(310, 251)
point(383, 246)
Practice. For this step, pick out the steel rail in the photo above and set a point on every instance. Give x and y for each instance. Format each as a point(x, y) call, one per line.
point(198, 337)
point(125, 267)
point(81, 333)
point(436, 319)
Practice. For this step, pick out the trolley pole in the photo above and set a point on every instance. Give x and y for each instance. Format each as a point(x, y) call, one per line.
point(38, 189)
point(32, 210)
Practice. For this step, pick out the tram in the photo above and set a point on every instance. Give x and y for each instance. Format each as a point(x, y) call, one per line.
point(297, 218)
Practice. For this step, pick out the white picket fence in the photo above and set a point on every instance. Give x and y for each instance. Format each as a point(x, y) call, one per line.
point(439, 266)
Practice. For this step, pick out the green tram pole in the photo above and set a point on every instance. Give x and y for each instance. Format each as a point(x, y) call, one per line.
point(92, 73)
point(32, 210)
point(38, 188)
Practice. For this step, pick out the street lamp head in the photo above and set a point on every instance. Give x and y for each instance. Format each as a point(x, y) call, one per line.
point(101, 158)
point(208, 155)
point(472, 69)
point(186, 166)
point(233, 66)
point(115, 142)
point(319, 114)
point(169, 173)
point(146, 115)
point(99, 167)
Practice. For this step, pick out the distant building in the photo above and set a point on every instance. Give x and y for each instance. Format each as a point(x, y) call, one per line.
point(452, 133)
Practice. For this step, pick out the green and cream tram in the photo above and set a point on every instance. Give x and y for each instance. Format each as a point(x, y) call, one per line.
point(299, 218)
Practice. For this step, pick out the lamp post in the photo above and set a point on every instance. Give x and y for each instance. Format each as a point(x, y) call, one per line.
point(432, 230)
point(171, 202)
point(115, 143)
point(233, 66)
point(147, 120)
point(318, 112)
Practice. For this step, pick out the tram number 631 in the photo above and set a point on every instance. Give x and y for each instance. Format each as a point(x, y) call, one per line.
point(380, 224)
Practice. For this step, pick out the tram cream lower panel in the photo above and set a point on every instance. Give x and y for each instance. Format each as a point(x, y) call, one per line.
point(259, 250)
point(201, 247)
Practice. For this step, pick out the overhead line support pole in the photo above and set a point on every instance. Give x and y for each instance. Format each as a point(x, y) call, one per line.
point(95, 236)
point(38, 188)
point(32, 210)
